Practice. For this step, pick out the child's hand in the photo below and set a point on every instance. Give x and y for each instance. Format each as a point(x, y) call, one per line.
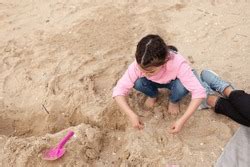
point(136, 123)
point(176, 127)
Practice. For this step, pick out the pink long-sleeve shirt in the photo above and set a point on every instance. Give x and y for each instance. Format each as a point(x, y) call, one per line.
point(176, 67)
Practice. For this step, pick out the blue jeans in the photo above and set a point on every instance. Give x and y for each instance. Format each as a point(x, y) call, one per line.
point(213, 81)
point(150, 88)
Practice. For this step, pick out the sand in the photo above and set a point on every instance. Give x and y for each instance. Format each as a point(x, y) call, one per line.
point(59, 61)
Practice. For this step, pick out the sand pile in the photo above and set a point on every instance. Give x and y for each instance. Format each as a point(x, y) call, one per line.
point(60, 60)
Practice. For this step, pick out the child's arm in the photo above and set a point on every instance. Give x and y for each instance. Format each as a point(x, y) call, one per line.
point(193, 105)
point(191, 83)
point(121, 101)
point(125, 83)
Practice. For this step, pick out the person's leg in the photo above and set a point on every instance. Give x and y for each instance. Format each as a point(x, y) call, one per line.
point(241, 102)
point(224, 106)
point(214, 82)
point(238, 98)
point(227, 91)
point(212, 100)
point(209, 91)
point(149, 88)
point(178, 91)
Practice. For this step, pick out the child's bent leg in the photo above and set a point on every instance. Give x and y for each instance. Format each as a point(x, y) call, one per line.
point(149, 88)
point(204, 104)
point(178, 91)
point(146, 86)
point(214, 82)
point(223, 106)
point(241, 102)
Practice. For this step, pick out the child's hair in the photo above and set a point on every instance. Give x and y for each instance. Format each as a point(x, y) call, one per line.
point(152, 51)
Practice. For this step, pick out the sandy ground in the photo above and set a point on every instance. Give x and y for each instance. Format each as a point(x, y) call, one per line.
point(66, 56)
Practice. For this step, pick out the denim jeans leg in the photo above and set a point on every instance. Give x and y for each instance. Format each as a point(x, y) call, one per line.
point(209, 91)
point(178, 91)
point(214, 81)
point(147, 87)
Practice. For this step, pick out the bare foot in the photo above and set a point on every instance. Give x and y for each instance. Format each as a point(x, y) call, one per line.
point(211, 100)
point(150, 102)
point(227, 91)
point(173, 108)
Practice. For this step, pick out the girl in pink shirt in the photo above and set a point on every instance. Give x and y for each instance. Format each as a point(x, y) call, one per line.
point(158, 65)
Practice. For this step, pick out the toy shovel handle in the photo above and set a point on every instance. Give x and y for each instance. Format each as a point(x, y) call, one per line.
point(65, 139)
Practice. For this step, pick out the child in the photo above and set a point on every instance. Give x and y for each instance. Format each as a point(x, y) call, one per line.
point(235, 103)
point(158, 65)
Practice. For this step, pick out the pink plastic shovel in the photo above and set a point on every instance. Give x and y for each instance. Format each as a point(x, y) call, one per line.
point(55, 153)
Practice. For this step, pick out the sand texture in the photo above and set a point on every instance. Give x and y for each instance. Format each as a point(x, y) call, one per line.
point(59, 61)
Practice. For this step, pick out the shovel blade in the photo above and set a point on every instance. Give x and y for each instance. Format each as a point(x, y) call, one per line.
point(53, 154)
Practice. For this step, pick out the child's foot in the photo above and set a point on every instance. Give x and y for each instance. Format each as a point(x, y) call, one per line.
point(214, 81)
point(150, 102)
point(173, 108)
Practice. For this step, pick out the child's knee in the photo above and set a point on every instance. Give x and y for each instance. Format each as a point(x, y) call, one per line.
point(145, 86)
point(178, 92)
point(140, 83)
point(177, 96)
point(204, 75)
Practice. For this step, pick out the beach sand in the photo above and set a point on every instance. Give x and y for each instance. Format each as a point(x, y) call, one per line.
point(59, 61)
